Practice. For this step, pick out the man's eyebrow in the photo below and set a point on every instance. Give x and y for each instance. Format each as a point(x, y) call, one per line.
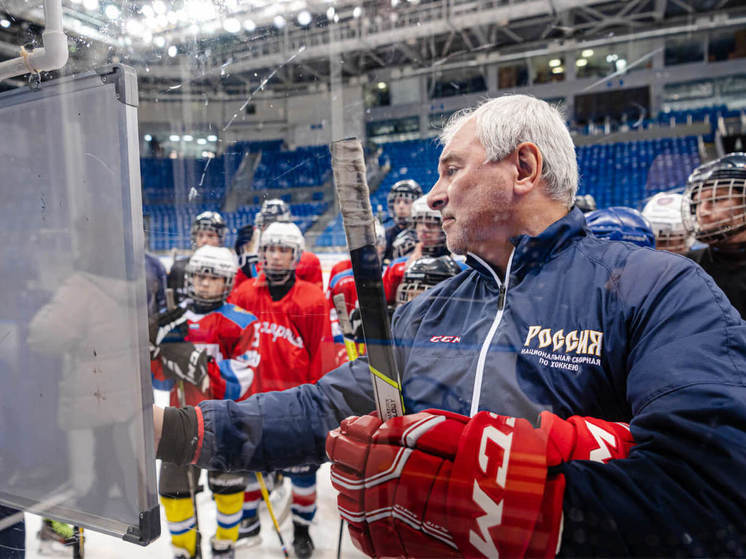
point(448, 157)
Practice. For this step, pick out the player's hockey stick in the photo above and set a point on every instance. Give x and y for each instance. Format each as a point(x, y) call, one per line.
point(265, 496)
point(170, 305)
point(348, 164)
point(344, 324)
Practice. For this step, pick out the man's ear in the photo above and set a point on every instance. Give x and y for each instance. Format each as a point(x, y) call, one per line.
point(529, 163)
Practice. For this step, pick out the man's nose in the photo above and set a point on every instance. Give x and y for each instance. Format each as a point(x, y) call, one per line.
point(437, 199)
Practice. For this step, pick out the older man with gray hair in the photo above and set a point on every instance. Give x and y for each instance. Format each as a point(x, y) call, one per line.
point(565, 394)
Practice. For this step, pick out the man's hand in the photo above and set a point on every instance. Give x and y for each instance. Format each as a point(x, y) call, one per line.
point(441, 484)
point(157, 425)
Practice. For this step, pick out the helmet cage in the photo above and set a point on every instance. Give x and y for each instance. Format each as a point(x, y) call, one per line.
point(716, 191)
point(193, 270)
point(208, 221)
point(273, 211)
point(408, 290)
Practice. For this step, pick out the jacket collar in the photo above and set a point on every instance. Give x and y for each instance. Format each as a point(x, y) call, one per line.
point(532, 252)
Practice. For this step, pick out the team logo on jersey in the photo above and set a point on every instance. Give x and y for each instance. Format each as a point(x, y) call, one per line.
point(564, 350)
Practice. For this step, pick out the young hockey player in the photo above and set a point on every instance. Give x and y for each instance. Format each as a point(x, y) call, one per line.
point(297, 348)
point(424, 274)
point(431, 241)
point(591, 391)
point(400, 199)
point(715, 213)
point(277, 211)
point(663, 211)
point(247, 238)
point(208, 228)
point(619, 223)
point(205, 349)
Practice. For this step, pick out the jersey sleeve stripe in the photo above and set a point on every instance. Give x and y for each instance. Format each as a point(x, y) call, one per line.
point(236, 315)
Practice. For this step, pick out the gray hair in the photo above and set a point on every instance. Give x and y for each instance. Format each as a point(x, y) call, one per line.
point(504, 122)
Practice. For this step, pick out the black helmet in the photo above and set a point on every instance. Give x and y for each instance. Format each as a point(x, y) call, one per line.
point(408, 189)
point(718, 183)
point(273, 210)
point(423, 274)
point(208, 221)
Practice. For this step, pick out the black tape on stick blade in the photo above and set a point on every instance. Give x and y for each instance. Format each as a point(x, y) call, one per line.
point(348, 164)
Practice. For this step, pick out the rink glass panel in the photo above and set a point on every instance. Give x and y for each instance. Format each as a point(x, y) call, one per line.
point(75, 407)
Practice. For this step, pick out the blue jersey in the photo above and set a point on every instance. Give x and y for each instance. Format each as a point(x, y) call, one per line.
point(578, 326)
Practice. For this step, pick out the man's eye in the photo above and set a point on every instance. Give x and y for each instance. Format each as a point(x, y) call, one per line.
point(451, 171)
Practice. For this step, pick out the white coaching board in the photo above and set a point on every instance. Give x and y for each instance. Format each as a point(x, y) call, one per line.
point(76, 430)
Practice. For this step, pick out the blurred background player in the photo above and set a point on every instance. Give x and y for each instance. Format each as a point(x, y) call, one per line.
point(277, 211)
point(663, 211)
point(211, 349)
point(619, 223)
point(585, 203)
point(247, 237)
point(155, 281)
point(297, 348)
point(400, 199)
point(714, 211)
point(208, 228)
point(424, 274)
point(341, 279)
point(430, 241)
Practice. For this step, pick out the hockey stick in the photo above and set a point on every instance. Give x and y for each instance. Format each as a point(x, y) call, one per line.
point(344, 323)
point(265, 496)
point(348, 164)
point(170, 305)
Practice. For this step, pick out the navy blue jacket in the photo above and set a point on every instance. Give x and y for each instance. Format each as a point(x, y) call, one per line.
point(580, 326)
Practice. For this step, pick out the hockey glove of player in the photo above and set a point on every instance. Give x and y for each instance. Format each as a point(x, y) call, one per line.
point(185, 362)
point(441, 484)
point(167, 326)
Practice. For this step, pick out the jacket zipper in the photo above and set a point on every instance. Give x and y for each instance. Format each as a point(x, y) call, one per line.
point(502, 294)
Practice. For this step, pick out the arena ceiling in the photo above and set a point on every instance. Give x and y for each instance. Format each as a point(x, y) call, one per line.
point(231, 46)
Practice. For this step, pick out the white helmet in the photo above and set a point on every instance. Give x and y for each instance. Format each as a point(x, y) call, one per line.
point(663, 211)
point(213, 261)
point(421, 212)
point(284, 235)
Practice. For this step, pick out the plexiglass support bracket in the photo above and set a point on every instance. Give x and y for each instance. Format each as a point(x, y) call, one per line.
point(148, 530)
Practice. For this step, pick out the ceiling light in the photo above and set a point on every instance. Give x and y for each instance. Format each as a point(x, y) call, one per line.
point(91, 5)
point(147, 11)
point(4, 23)
point(394, 3)
point(187, 137)
point(134, 27)
point(160, 42)
point(173, 51)
point(147, 137)
point(580, 62)
point(357, 12)
point(279, 21)
point(382, 85)
point(621, 65)
point(587, 53)
point(304, 17)
point(212, 138)
point(249, 25)
point(232, 25)
point(174, 137)
point(111, 11)
point(336, 18)
point(201, 141)
point(558, 70)
point(554, 62)
point(330, 12)
point(208, 154)
point(160, 7)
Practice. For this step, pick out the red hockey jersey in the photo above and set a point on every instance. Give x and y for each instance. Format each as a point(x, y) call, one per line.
point(308, 269)
point(393, 276)
point(230, 337)
point(342, 281)
point(295, 333)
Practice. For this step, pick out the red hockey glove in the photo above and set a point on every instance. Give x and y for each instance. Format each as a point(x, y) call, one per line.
point(441, 484)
